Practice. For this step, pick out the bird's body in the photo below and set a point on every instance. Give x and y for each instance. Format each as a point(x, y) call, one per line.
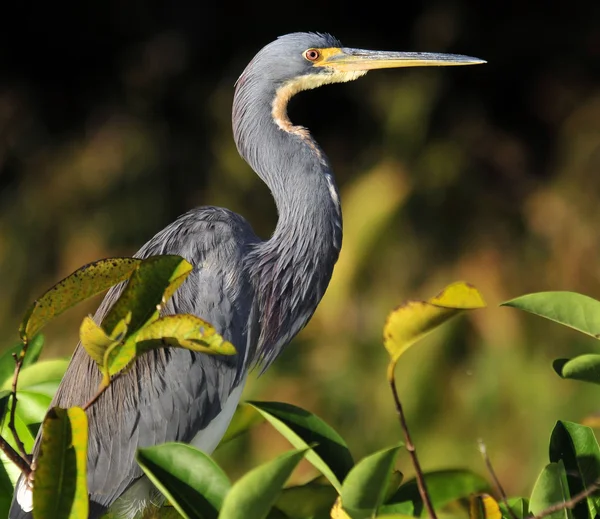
point(258, 294)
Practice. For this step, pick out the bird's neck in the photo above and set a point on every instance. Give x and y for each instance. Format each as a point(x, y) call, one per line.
point(292, 269)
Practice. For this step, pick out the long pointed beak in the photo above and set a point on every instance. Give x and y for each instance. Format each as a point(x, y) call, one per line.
point(347, 60)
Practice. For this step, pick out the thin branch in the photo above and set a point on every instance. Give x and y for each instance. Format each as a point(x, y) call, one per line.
point(11, 423)
point(571, 503)
point(101, 390)
point(499, 489)
point(15, 457)
point(410, 447)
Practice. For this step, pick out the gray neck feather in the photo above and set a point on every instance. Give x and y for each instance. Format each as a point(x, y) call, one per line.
point(291, 270)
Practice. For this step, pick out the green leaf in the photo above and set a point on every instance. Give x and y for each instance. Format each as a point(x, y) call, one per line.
point(4, 399)
point(312, 500)
point(149, 287)
point(7, 362)
point(519, 507)
point(257, 491)
point(365, 486)
point(582, 313)
point(244, 418)
point(60, 489)
point(192, 482)
point(97, 342)
point(413, 320)
point(40, 373)
point(32, 406)
point(328, 452)
point(576, 446)
point(182, 331)
point(23, 431)
point(484, 506)
point(79, 286)
point(444, 486)
point(584, 367)
point(551, 488)
point(115, 345)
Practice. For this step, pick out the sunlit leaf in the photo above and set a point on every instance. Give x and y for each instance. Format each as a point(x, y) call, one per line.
point(7, 361)
point(551, 488)
point(79, 286)
point(255, 493)
point(577, 447)
point(519, 507)
point(413, 320)
point(582, 313)
point(484, 506)
point(32, 406)
point(60, 489)
point(192, 482)
point(183, 331)
point(40, 373)
point(244, 418)
point(584, 367)
point(366, 485)
point(328, 450)
point(312, 499)
point(337, 511)
point(177, 331)
point(444, 486)
point(149, 286)
point(96, 341)
point(23, 431)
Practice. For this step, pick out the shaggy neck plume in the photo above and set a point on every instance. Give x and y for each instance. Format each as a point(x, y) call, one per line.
point(291, 270)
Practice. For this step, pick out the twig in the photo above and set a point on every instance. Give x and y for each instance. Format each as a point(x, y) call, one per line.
point(102, 389)
point(14, 456)
point(571, 503)
point(11, 423)
point(410, 446)
point(499, 489)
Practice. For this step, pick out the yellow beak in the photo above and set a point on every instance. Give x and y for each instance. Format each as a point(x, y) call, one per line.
point(347, 60)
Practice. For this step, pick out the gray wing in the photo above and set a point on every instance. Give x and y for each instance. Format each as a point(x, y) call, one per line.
point(169, 394)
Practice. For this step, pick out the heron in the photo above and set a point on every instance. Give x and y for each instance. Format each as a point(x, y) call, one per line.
point(257, 293)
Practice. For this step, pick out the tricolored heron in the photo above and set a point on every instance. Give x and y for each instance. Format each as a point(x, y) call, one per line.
point(258, 294)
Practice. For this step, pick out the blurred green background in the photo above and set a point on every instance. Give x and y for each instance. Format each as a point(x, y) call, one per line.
point(115, 119)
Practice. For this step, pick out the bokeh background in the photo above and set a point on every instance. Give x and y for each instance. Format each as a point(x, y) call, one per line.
point(115, 119)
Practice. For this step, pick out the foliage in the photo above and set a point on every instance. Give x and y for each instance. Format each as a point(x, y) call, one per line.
point(196, 487)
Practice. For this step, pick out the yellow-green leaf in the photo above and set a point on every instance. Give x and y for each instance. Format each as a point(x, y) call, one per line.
point(60, 484)
point(148, 288)
point(459, 295)
point(80, 285)
point(96, 341)
point(177, 331)
point(484, 506)
point(244, 418)
point(413, 320)
point(183, 331)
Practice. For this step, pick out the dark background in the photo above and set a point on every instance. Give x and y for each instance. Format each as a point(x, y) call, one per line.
point(115, 119)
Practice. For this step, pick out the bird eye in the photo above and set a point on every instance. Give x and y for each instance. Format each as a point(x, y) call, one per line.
point(311, 54)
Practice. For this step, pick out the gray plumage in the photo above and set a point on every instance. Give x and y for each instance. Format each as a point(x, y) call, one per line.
point(258, 294)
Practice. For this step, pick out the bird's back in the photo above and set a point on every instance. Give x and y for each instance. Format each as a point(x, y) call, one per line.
point(169, 394)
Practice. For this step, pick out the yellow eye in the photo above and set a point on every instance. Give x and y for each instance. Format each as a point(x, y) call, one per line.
point(312, 54)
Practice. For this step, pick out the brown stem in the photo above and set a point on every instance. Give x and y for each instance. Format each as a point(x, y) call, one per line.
point(11, 423)
point(14, 456)
point(499, 488)
point(103, 387)
point(571, 503)
point(410, 446)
